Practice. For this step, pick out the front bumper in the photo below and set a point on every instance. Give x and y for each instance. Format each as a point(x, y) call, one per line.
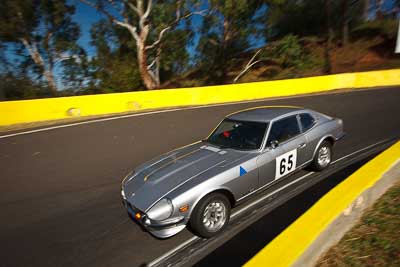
point(160, 229)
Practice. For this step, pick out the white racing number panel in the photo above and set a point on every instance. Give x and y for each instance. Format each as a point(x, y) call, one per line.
point(285, 163)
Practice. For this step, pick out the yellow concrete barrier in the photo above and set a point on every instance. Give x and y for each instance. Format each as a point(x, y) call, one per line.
point(23, 111)
point(287, 247)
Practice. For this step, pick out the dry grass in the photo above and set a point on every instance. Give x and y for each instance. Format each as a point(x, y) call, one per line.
point(375, 240)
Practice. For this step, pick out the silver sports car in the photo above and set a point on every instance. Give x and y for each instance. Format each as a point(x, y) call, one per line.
point(248, 151)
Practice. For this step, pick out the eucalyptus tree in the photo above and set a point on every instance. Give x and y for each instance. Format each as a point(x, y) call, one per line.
point(112, 68)
point(43, 32)
point(148, 23)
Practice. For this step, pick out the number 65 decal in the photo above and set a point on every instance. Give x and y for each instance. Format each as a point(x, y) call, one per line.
point(285, 163)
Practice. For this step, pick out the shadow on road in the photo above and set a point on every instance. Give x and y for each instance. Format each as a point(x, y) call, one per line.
point(243, 246)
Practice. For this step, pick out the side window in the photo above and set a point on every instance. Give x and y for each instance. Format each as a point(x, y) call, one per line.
point(283, 130)
point(307, 121)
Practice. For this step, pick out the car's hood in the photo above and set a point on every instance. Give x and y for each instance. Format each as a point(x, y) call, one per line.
point(160, 176)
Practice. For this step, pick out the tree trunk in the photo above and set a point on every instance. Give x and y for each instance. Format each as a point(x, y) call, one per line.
point(37, 58)
point(147, 76)
point(149, 81)
point(50, 80)
point(345, 22)
point(139, 31)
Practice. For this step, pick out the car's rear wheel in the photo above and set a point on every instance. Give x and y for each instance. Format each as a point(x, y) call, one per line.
point(323, 156)
point(211, 215)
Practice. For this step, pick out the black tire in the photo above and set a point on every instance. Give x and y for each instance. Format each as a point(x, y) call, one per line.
point(198, 215)
point(324, 147)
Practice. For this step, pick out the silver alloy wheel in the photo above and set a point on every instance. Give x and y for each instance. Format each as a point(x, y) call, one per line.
point(324, 156)
point(214, 216)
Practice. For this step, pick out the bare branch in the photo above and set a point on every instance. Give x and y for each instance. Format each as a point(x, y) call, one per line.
point(258, 52)
point(201, 13)
point(131, 6)
point(64, 57)
point(139, 4)
point(248, 66)
point(158, 60)
point(178, 10)
point(152, 75)
point(125, 24)
point(148, 9)
point(173, 24)
point(160, 36)
point(151, 64)
point(138, 9)
point(132, 29)
point(154, 67)
point(143, 16)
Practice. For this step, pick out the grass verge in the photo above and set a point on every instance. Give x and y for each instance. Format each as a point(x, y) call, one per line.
point(374, 240)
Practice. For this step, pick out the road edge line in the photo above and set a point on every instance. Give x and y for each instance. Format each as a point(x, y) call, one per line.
point(186, 243)
point(305, 240)
point(116, 116)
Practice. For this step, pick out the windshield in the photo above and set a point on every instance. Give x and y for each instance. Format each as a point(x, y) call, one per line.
point(243, 135)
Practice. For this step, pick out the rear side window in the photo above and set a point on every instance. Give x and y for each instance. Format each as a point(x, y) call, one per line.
point(283, 130)
point(307, 121)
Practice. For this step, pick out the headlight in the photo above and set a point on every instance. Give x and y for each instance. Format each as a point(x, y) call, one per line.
point(161, 211)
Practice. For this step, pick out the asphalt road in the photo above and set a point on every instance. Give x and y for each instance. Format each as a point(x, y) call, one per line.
point(60, 189)
point(247, 243)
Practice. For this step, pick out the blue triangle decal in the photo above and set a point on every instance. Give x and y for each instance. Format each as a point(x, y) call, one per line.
point(242, 171)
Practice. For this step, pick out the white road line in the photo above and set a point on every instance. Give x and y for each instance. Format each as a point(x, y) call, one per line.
point(170, 110)
point(365, 148)
point(236, 213)
point(166, 255)
point(87, 122)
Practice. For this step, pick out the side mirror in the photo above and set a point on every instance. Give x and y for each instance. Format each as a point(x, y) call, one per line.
point(274, 144)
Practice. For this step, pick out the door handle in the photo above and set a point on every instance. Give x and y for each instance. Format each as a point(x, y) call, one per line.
point(303, 145)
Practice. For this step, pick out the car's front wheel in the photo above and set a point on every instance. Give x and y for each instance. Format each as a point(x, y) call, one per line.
point(211, 215)
point(323, 156)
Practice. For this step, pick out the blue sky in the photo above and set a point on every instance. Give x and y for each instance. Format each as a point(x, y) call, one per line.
point(85, 16)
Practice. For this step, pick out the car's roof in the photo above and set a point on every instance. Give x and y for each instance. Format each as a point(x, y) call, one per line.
point(263, 114)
